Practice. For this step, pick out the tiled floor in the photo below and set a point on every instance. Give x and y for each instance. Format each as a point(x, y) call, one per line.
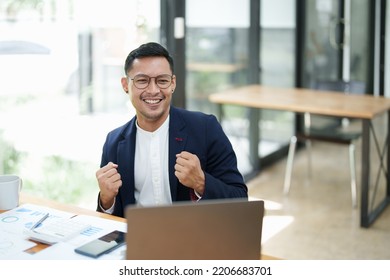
point(316, 220)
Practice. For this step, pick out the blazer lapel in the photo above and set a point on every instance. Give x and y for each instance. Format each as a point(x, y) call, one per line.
point(177, 141)
point(125, 156)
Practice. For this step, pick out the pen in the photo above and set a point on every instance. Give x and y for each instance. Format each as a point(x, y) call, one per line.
point(40, 221)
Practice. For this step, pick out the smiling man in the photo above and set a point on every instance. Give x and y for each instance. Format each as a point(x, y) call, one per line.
point(164, 154)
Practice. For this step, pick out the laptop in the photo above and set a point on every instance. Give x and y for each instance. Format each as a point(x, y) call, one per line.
point(207, 230)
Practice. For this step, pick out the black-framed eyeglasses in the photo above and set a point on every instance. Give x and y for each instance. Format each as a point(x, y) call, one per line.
point(142, 81)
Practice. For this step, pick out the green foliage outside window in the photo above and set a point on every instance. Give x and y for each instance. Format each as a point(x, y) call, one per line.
point(51, 177)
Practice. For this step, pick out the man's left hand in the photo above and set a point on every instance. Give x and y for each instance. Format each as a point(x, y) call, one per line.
point(189, 172)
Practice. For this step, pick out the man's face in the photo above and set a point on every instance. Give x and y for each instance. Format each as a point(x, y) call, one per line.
point(152, 102)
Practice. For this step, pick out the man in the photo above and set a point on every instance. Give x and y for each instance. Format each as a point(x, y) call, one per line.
point(164, 154)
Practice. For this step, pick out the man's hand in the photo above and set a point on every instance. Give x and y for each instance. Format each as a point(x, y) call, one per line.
point(189, 171)
point(109, 183)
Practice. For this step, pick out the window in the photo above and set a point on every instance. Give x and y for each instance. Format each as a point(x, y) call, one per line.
point(61, 63)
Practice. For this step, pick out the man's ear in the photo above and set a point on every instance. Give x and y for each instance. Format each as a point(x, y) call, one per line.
point(125, 84)
point(173, 84)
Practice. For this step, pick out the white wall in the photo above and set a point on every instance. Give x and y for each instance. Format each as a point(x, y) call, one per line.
point(217, 13)
point(277, 13)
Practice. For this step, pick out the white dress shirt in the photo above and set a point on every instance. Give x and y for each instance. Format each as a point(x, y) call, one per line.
point(151, 167)
point(151, 175)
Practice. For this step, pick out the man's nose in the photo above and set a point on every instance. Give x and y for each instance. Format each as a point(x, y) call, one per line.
point(153, 85)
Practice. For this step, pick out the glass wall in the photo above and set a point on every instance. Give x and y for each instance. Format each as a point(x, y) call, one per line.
point(216, 48)
point(336, 45)
point(217, 58)
point(277, 64)
point(334, 42)
point(60, 65)
point(359, 40)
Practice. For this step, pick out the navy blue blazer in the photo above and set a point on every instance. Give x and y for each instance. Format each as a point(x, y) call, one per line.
point(195, 132)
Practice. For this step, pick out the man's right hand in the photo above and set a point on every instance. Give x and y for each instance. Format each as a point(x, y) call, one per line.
point(109, 183)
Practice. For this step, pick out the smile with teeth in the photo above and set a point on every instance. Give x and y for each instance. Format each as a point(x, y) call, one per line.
point(152, 101)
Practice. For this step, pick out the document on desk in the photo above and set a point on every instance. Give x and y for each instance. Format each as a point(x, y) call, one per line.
point(14, 243)
point(15, 221)
point(11, 244)
point(100, 227)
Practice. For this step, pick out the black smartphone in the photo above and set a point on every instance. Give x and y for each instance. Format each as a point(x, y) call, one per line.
point(102, 245)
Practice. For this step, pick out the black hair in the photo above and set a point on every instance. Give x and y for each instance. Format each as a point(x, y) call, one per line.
point(147, 50)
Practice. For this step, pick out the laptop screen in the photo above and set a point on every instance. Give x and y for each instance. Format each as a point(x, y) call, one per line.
point(208, 230)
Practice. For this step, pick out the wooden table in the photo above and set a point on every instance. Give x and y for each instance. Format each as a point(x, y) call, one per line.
point(363, 107)
point(28, 198)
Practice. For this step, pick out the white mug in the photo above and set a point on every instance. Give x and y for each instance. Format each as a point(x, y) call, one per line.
point(10, 187)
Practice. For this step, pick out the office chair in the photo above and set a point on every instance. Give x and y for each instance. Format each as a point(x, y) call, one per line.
point(328, 133)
